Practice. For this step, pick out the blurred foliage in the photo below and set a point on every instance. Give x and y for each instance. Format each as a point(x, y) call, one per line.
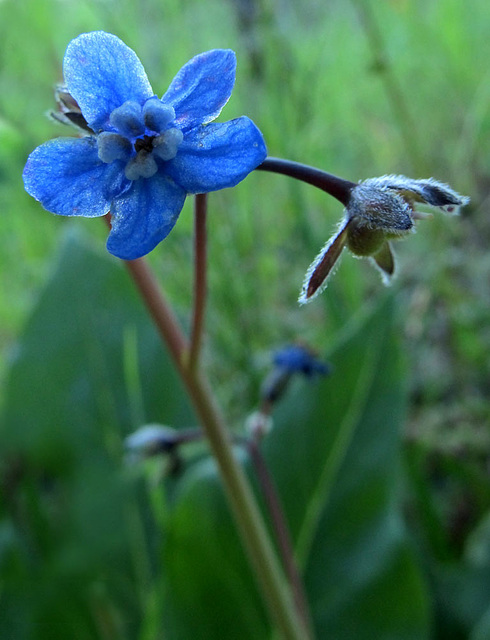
point(360, 88)
point(86, 554)
point(73, 550)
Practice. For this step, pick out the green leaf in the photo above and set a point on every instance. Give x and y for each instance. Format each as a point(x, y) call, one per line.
point(69, 378)
point(335, 457)
point(482, 629)
point(461, 587)
point(209, 589)
point(335, 454)
point(89, 368)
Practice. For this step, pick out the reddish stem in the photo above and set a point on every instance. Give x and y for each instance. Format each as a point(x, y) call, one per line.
point(200, 278)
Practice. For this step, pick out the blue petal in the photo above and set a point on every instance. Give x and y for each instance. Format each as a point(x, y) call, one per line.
point(102, 73)
point(144, 216)
point(202, 87)
point(68, 178)
point(217, 156)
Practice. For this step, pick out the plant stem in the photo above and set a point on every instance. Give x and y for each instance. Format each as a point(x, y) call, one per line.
point(248, 518)
point(281, 529)
point(333, 185)
point(200, 272)
point(274, 506)
point(159, 309)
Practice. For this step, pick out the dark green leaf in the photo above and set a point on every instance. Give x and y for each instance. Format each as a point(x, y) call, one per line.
point(335, 456)
point(89, 369)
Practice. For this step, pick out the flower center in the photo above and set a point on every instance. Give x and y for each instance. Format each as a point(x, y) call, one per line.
point(144, 144)
point(141, 135)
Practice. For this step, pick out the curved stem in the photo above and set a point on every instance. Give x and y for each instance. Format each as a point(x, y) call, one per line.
point(200, 258)
point(159, 309)
point(335, 186)
point(281, 529)
point(248, 518)
point(275, 509)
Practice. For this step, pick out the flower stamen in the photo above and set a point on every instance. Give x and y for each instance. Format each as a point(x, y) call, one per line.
point(144, 144)
point(112, 146)
point(128, 119)
point(166, 144)
point(142, 165)
point(156, 115)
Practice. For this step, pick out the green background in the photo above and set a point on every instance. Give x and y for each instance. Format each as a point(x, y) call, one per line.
point(382, 467)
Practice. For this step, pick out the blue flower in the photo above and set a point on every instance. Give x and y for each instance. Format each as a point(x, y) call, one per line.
point(290, 360)
point(296, 358)
point(146, 153)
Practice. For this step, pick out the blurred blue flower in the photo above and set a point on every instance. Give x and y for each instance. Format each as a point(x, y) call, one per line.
point(296, 358)
point(289, 361)
point(146, 153)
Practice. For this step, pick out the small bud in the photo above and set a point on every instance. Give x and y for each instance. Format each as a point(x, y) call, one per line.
point(258, 424)
point(151, 440)
point(297, 358)
point(379, 210)
point(288, 361)
point(69, 112)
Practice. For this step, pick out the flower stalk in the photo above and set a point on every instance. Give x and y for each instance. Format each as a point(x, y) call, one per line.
point(333, 185)
point(281, 529)
point(200, 278)
point(247, 516)
point(155, 440)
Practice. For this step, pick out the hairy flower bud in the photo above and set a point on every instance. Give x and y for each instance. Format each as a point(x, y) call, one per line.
point(379, 210)
point(150, 440)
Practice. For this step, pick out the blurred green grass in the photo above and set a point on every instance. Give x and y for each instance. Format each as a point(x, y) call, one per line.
point(358, 88)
